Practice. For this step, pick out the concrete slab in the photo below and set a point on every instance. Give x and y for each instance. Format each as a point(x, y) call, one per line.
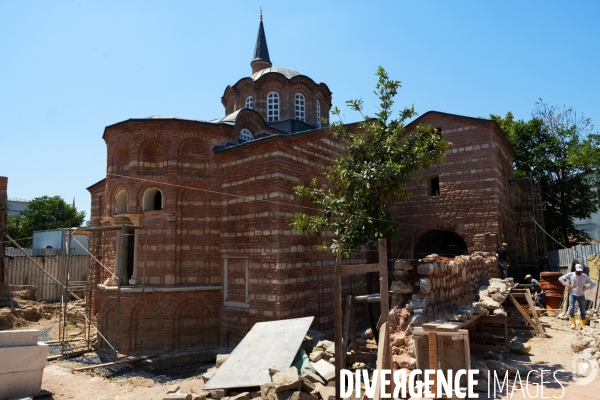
point(20, 384)
point(271, 344)
point(19, 338)
point(22, 359)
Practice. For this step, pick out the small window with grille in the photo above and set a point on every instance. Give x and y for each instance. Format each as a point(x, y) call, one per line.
point(246, 135)
point(273, 107)
point(300, 107)
point(249, 102)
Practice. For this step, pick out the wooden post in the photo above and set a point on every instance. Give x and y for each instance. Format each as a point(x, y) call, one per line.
point(337, 322)
point(3, 214)
point(383, 275)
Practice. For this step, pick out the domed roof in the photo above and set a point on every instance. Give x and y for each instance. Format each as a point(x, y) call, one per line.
point(288, 73)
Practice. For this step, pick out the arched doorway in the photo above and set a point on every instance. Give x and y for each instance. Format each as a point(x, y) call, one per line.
point(440, 242)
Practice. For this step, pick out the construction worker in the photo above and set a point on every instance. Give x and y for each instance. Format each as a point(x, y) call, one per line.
point(503, 260)
point(539, 296)
point(577, 283)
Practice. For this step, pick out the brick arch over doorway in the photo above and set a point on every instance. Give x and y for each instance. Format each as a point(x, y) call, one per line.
point(442, 242)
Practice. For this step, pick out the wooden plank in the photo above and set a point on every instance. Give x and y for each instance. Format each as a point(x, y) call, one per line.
point(359, 269)
point(522, 311)
point(353, 339)
point(383, 276)
point(71, 354)
point(454, 326)
point(539, 326)
point(337, 321)
point(120, 361)
point(346, 330)
point(384, 338)
point(367, 358)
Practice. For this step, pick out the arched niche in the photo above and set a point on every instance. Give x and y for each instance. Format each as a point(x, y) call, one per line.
point(153, 200)
point(441, 242)
point(121, 202)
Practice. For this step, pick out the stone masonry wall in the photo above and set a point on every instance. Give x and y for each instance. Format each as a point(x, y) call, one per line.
point(439, 285)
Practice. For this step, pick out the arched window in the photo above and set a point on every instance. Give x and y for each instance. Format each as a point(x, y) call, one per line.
point(246, 135)
point(272, 107)
point(122, 202)
point(318, 114)
point(249, 102)
point(153, 200)
point(299, 101)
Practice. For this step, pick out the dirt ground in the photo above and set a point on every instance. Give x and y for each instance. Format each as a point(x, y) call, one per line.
point(553, 353)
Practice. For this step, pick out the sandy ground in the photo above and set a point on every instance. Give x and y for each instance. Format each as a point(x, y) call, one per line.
point(553, 353)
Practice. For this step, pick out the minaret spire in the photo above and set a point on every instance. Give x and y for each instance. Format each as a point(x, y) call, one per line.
point(261, 58)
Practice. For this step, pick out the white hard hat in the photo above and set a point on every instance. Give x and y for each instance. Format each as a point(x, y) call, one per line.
point(578, 267)
point(528, 276)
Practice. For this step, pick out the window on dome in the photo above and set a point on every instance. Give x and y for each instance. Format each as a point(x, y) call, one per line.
point(318, 114)
point(249, 102)
point(246, 135)
point(300, 112)
point(272, 107)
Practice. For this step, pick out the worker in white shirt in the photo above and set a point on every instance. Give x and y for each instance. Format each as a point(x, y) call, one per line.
point(577, 283)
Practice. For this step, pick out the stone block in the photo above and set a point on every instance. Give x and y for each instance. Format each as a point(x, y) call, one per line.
point(401, 287)
point(178, 396)
point(324, 369)
point(425, 285)
point(19, 338)
point(306, 384)
point(22, 359)
point(221, 359)
point(217, 393)
point(209, 374)
point(403, 265)
point(426, 269)
point(20, 384)
point(241, 396)
point(286, 380)
point(316, 355)
point(311, 376)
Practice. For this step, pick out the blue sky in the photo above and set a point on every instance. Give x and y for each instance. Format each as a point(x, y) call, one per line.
point(70, 68)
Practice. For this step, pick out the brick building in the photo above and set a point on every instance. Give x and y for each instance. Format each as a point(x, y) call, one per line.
point(215, 252)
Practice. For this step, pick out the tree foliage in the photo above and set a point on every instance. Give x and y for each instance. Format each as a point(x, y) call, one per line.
point(43, 213)
point(363, 185)
point(558, 149)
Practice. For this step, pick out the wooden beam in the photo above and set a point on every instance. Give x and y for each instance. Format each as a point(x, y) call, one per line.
point(121, 361)
point(337, 322)
point(539, 326)
point(359, 268)
point(383, 275)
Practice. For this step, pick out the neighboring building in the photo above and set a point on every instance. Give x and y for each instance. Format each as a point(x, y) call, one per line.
point(58, 239)
point(16, 206)
point(215, 198)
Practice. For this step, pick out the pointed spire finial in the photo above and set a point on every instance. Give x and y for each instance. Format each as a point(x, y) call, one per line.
point(261, 58)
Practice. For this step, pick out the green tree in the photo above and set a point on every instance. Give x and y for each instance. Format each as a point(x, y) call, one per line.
point(43, 213)
point(362, 186)
point(558, 149)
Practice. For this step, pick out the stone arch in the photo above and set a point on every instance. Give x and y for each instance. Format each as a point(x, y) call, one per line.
point(195, 325)
point(153, 155)
point(443, 242)
point(192, 157)
point(120, 160)
point(153, 326)
point(121, 202)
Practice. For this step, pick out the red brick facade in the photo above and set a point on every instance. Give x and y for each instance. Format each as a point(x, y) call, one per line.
point(215, 252)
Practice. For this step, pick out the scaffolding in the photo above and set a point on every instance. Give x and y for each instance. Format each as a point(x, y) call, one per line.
point(525, 231)
point(90, 331)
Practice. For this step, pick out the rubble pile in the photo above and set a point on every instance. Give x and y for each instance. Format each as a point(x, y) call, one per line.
point(492, 296)
point(288, 384)
point(587, 340)
point(24, 309)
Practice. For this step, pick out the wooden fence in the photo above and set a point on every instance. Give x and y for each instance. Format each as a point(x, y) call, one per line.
point(20, 270)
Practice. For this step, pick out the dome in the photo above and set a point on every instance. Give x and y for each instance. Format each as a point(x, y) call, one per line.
point(288, 73)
